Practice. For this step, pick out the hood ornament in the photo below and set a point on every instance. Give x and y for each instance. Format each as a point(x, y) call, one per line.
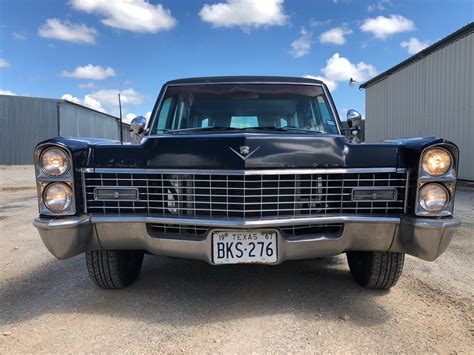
point(244, 152)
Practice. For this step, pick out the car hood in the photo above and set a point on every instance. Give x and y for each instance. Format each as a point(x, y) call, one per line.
point(222, 151)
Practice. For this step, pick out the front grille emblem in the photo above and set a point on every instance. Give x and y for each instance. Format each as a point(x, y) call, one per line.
point(244, 152)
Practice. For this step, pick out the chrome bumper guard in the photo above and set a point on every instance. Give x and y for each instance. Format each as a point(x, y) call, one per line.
point(424, 238)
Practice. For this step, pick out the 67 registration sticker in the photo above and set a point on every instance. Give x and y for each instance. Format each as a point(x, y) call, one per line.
point(235, 247)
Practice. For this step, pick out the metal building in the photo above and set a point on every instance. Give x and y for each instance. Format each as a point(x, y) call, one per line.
point(429, 94)
point(25, 121)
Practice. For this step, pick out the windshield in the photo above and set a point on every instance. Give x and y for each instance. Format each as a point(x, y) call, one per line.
point(278, 108)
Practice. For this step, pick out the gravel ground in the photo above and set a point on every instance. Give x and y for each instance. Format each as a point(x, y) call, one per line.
point(176, 305)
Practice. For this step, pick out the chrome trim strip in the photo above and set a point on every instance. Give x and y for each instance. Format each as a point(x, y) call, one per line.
point(245, 82)
point(244, 224)
point(407, 185)
point(448, 177)
point(84, 194)
point(245, 172)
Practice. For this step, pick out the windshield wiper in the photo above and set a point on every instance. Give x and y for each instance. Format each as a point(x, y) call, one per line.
point(199, 129)
point(282, 129)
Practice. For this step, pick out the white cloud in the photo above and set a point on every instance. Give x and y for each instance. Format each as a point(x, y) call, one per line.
point(93, 103)
point(380, 5)
point(87, 101)
point(19, 36)
point(89, 85)
point(335, 35)
point(332, 85)
point(71, 98)
point(130, 15)
point(4, 63)
point(316, 23)
point(67, 31)
point(107, 101)
point(7, 92)
point(301, 46)
point(382, 27)
point(414, 45)
point(244, 13)
point(110, 97)
point(129, 117)
point(148, 115)
point(89, 71)
point(341, 69)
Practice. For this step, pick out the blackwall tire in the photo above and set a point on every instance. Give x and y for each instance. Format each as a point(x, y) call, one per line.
point(114, 269)
point(376, 270)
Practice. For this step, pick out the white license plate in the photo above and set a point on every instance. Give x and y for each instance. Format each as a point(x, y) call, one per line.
point(235, 247)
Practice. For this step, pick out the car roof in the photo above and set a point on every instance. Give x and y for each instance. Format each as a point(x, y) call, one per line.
point(244, 79)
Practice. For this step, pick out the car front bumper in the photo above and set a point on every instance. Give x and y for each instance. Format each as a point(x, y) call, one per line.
point(421, 237)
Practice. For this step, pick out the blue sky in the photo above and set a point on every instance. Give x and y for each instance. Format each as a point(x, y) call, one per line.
point(88, 50)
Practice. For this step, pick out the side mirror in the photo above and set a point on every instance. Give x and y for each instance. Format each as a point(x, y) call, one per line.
point(354, 119)
point(137, 128)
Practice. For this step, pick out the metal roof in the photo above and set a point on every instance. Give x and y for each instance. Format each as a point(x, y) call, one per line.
point(63, 101)
point(244, 79)
point(462, 32)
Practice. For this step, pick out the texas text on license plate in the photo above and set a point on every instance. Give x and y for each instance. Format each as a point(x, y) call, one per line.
point(235, 247)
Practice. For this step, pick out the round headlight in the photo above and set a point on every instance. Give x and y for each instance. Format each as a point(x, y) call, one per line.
point(436, 162)
point(54, 162)
point(57, 197)
point(433, 197)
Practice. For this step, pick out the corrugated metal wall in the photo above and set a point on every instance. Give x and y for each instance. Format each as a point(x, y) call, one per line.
point(78, 121)
point(431, 97)
point(25, 121)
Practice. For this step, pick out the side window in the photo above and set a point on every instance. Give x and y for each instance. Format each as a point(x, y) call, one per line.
point(205, 122)
point(178, 115)
point(328, 121)
point(164, 114)
point(283, 122)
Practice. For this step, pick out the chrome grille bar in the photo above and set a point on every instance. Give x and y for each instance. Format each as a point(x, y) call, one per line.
point(241, 196)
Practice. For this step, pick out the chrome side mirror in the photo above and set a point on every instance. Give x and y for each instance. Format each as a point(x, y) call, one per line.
point(354, 119)
point(137, 128)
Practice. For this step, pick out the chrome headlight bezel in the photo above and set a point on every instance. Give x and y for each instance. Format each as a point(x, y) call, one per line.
point(69, 200)
point(426, 169)
point(43, 180)
point(422, 202)
point(62, 151)
point(447, 180)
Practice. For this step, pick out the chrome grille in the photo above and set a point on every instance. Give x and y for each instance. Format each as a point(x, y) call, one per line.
point(199, 232)
point(242, 195)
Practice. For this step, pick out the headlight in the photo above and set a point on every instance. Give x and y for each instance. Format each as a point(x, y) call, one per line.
point(436, 162)
point(54, 162)
point(57, 197)
point(433, 197)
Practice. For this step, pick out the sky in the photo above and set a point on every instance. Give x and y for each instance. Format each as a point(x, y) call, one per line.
point(87, 51)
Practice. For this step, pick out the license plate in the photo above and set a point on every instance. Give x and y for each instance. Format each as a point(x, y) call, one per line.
point(235, 247)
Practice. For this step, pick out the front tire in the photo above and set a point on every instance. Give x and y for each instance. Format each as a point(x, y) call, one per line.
point(114, 269)
point(375, 270)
